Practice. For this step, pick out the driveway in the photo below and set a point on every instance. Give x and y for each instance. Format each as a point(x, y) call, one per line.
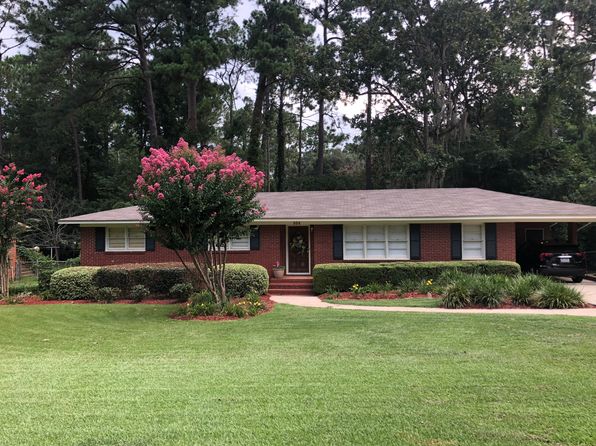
point(588, 290)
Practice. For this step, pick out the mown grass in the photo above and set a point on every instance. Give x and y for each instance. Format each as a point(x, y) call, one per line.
point(426, 302)
point(128, 375)
point(24, 285)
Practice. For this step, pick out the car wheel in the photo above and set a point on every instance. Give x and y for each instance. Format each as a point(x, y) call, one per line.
point(577, 279)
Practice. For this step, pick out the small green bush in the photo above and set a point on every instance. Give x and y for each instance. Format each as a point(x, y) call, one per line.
point(242, 279)
point(487, 291)
point(201, 304)
point(342, 276)
point(253, 304)
point(558, 295)
point(139, 292)
point(107, 294)
point(376, 287)
point(181, 291)
point(202, 297)
point(74, 283)
point(408, 286)
point(523, 289)
point(234, 310)
point(458, 294)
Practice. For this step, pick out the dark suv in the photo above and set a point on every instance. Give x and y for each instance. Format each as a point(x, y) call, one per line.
point(553, 259)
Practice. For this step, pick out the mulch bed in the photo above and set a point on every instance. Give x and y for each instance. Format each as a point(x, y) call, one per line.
point(389, 295)
point(266, 300)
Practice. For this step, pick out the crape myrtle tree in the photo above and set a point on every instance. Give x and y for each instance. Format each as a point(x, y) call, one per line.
point(19, 193)
point(197, 201)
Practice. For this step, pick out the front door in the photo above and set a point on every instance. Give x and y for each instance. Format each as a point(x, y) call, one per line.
point(298, 250)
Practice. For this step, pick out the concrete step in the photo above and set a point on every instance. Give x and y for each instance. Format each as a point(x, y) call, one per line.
point(290, 285)
point(291, 292)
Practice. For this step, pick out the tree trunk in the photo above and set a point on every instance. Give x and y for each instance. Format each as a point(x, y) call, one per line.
point(280, 170)
point(4, 274)
point(191, 107)
point(148, 96)
point(266, 140)
point(252, 155)
point(77, 153)
point(321, 102)
point(300, 116)
point(368, 139)
point(321, 137)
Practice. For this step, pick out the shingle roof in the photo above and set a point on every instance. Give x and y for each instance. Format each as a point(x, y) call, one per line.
point(408, 204)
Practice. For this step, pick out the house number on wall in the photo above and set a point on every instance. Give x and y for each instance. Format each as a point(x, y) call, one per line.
point(296, 223)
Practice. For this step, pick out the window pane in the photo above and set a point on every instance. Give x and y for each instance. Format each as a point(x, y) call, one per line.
point(354, 250)
point(116, 238)
point(136, 238)
point(398, 232)
point(472, 250)
point(472, 232)
point(398, 250)
point(375, 242)
point(354, 233)
point(242, 243)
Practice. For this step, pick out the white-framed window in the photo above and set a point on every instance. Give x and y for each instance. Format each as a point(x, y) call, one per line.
point(240, 244)
point(472, 242)
point(125, 238)
point(376, 242)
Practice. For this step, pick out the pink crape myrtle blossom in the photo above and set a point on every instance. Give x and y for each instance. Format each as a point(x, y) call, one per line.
point(196, 201)
point(19, 193)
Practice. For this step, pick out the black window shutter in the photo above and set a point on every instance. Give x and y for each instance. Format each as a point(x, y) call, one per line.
point(415, 242)
point(455, 241)
point(338, 242)
point(490, 230)
point(100, 239)
point(149, 243)
point(255, 238)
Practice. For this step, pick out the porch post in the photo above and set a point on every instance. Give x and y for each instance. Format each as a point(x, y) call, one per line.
point(572, 233)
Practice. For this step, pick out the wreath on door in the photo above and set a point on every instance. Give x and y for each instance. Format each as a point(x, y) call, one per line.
point(298, 245)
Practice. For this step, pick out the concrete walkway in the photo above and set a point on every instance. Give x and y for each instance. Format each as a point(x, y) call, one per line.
point(588, 290)
point(315, 302)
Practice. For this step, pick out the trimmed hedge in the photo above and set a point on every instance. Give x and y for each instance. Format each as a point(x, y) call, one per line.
point(158, 277)
point(74, 283)
point(341, 276)
point(242, 279)
point(83, 281)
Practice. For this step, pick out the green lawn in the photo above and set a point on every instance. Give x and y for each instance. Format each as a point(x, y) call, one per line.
point(427, 302)
point(24, 285)
point(127, 375)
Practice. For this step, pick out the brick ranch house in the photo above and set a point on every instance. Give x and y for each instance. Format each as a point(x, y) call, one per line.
point(303, 229)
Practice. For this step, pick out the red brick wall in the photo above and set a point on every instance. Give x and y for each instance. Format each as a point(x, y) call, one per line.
point(267, 255)
point(435, 242)
point(435, 246)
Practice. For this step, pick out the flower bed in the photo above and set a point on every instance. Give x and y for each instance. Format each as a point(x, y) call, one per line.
point(267, 306)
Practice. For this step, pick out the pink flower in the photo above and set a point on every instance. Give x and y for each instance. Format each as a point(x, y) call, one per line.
point(160, 196)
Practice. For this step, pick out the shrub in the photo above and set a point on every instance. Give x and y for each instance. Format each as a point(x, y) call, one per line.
point(16, 298)
point(74, 283)
point(458, 294)
point(487, 291)
point(234, 310)
point(75, 261)
point(202, 297)
point(253, 304)
point(408, 286)
point(201, 304)
point(158, 277)
point(558, 295)
point(523, 289)
point(341, 276)
point(242, 279)
point(44, 276)
point(376, 287)
point(181, 291)
point(138, 292)
point(107, 294)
